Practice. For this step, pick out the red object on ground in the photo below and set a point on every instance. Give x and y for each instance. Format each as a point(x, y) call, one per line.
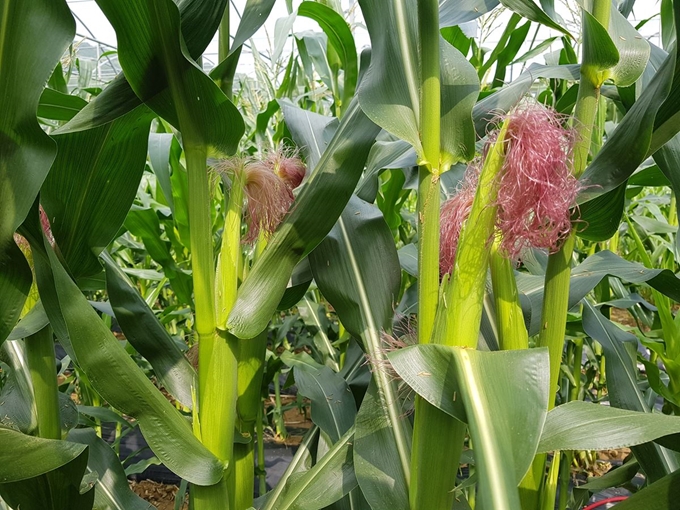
point(598, 504)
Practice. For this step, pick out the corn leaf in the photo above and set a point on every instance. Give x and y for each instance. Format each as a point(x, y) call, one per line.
point(505, 412)
point(357, 269)
point(23, 457)
point(199, 21)
point(112, 491)
point(333, 403)
point(533, 12)
point(115, 376)
point(660, 495)
point(457, 12)
point(26, 152)
point(390, 90)
point(620, 350)
point(647, 126)
point(63, 487)
point(147, 335)
point(162, 73)
point(91, 186)
point(588, 274)
point(330, 479)
point(580, 425)
point(340, 39)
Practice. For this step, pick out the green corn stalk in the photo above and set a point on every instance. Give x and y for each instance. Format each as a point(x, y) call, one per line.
point(432, 428)
point(558, 273)
point(40, 355)
point(512, 332)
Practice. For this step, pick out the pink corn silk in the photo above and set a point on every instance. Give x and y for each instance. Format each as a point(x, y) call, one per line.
point(268, 200)
point(454, 211)
point(537, 187)
point(267, 196)
point(288, 166)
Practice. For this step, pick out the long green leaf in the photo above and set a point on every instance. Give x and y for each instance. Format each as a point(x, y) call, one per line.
point(340, 38)
point(362, 288)
point(316, 210)
point(199, 21)
point(333, 405)
point(255, 13)
point(91, 186)
point(502, 395)
point(589, 273)
point(112, 372)
point(533, 12)
point(620, 351)
point(59, 106)
point(457, 12)
point(331, 478)
point(162, 73)
point(646, 127)
point(23, 457)
point(62, 488)
point(26, 152)
point(660, 495)
point(579, 425)
point(146, 334)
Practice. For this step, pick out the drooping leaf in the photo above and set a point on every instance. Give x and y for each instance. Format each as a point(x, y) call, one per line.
point(115, 376)
point(163, 74)
point(661, 495)
point(146, 334)
point(588, 274)
point(333, 405)
point(533, 12)
point(314, 213)
point(633, 49)
point(112, 490)
point(23, 457)
point(26, 152)
point(509, 96)
point(311, 131)
point(620, 350)
point(56, 105)
point(64, 487)
point(457, 12)
point(255, 13)
point(383, 155)
point(91, 186)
